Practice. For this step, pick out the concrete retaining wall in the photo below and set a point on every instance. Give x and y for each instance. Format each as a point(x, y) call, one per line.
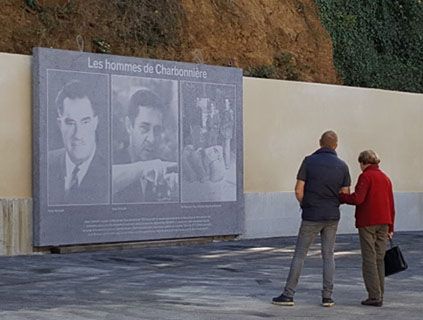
point(15, 226)
point(276, 214)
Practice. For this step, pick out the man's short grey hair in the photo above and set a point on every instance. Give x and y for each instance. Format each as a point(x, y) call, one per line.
point(329, 139)
point(368, 157)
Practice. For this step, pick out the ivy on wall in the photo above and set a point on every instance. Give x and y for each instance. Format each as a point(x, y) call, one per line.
point(378, 43)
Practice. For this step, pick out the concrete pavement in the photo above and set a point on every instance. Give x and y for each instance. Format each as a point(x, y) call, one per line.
point(220, 280)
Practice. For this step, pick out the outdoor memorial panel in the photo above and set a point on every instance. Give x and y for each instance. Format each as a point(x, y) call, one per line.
point(128, 149)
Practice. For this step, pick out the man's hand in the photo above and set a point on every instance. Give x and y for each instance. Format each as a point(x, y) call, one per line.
point(345, 190)
point(172, 182)
point(156, 170)
point(390, 235)
point(152, 170)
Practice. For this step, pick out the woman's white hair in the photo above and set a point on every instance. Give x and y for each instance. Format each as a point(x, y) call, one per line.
point(368, 157)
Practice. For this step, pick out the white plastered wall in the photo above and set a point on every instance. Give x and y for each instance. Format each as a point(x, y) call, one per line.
point(283, 121)
point(15, 126)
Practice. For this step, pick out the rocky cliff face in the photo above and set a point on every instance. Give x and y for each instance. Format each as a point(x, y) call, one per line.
point(253, 33)
point(272, 38)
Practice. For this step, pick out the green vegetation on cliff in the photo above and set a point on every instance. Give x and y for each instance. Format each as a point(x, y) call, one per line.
point(377, 44)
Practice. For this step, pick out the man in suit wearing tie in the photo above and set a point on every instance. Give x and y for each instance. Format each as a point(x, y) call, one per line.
point(78, 174)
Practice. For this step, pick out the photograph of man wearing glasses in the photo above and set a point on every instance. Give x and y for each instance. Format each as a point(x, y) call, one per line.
point(77, 173)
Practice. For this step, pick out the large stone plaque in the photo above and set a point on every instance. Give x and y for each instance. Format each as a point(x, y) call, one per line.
point(129, 149)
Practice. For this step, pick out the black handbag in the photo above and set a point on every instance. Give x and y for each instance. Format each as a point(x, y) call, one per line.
point(394, 260)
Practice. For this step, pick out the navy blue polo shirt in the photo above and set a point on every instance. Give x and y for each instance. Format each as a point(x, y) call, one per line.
point(324, 175)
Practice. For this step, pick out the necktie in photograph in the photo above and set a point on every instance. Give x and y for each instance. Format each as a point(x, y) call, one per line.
point(73, 186)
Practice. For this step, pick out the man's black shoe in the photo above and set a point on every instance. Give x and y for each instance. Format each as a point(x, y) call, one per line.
point(372, 302)
point(283, 300)
point(328, 302)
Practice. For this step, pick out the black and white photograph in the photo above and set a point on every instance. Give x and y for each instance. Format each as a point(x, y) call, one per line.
point(208, 156)
point(130, 149)
point(78, 143)
point(145, 140)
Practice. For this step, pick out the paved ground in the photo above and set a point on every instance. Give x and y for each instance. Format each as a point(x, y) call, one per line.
point(222, 280)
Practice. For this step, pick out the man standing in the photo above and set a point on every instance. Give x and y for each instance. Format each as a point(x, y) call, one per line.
point(78, 174)
point(139, 173)
point(227, 130)
point(320, 178)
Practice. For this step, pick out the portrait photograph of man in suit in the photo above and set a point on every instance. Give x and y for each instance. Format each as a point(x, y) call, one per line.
point(78, 165)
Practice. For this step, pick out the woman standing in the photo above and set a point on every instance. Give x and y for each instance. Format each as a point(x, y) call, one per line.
point(374, 216)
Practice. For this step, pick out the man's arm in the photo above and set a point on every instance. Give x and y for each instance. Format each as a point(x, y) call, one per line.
point(347, 182)
point(125, 174)
point(301, 179)
point(299, 190)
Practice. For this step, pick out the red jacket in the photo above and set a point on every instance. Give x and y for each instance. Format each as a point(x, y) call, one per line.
point(373, 198)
